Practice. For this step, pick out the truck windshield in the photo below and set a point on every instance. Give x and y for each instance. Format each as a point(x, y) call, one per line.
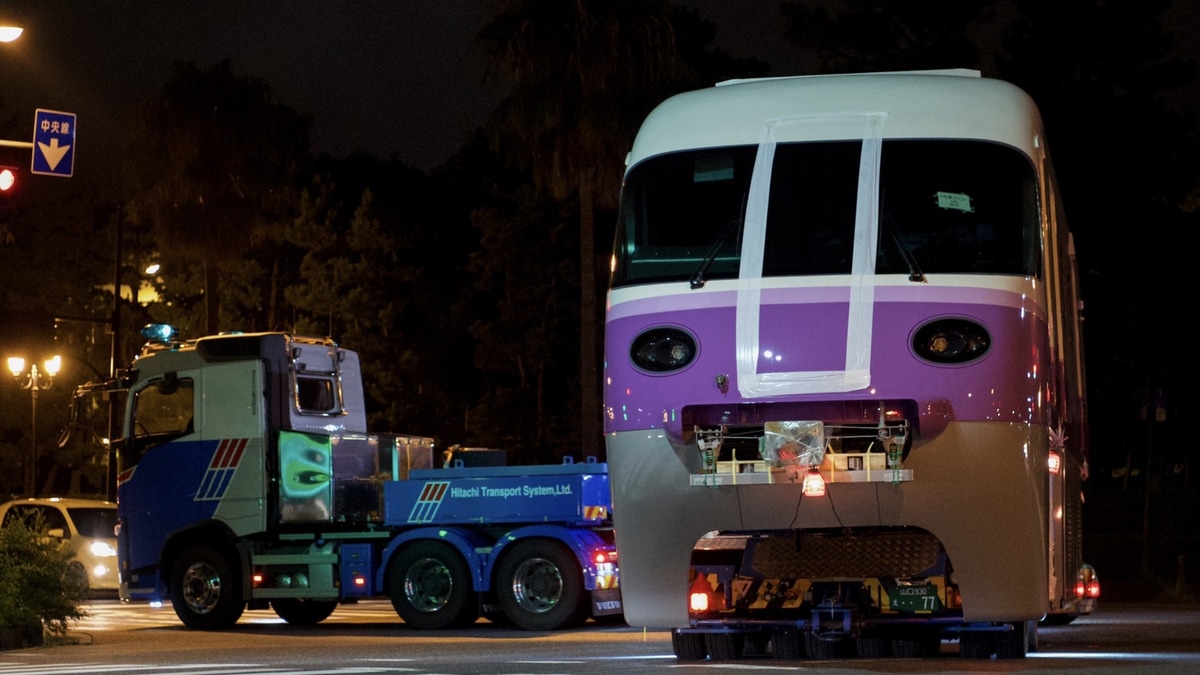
point(164, 410)
point(946, 207)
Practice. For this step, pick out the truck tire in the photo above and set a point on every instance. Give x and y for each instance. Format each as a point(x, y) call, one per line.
point(975, 645)
point(725, 646)
point(303, 612)
point(788, 643)
point(689, 646)
point(1012, 644)
point(916, 644)
point(539, 585)
point(205, 591)
point(430, 587)
point(824, 648)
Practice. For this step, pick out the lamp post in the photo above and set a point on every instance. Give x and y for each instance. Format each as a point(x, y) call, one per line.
point(33, 381)
point(9, 32)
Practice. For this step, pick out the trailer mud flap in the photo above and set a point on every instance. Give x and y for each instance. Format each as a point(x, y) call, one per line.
point(607, 602)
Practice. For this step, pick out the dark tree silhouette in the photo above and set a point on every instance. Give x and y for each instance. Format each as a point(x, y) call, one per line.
point(213, 161)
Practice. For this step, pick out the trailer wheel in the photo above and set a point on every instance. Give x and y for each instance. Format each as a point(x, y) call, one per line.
point(689, 646)
point(205, 591)
point(1013, 644)
point(787, 644)
point(871, 647)
point(540, 587)
point(916, 644)
point(430, 586)
point(823, 648)
point(725, 646)
point(303, 612)
point(975, 645)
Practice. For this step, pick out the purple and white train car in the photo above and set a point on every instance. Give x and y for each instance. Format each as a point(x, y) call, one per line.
point(842, 360)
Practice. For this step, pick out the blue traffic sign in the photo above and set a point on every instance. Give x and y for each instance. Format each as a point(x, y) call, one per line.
point(53, 143)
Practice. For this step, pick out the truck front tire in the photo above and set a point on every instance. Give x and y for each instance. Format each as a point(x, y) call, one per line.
point(205, 592)
point(540, 587)
point(430, 586)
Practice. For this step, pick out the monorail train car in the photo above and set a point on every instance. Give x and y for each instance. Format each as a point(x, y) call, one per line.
point(843, 370)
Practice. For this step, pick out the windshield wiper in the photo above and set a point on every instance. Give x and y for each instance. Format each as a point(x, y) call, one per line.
point(698, 277)
point(914, 270)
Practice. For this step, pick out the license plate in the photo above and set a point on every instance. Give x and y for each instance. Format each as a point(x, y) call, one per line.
point(914, 598)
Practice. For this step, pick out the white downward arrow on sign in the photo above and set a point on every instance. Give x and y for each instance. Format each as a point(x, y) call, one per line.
point(53, 153)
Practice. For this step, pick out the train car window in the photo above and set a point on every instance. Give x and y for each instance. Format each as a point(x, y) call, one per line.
point(810, 220)
point(957, 207)
point(681, 210)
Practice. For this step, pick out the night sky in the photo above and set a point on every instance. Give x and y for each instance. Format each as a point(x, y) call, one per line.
point(388, 77)
point(385, 77)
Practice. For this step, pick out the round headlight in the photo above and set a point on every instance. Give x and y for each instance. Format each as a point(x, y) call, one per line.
point(660, 350)
point(951, 341)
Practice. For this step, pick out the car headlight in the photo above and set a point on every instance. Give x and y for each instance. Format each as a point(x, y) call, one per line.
point(102, 549)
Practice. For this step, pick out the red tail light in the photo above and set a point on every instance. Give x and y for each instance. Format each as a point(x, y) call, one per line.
point(1090, 589)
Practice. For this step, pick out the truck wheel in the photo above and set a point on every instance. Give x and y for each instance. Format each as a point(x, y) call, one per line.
point(205, 592)
point(430, 586)
point(975, 645)
point(823, 648)
point(916, 644)
point(871, 647)
point(540, 587)
point(1013, 644)
point(787, 643)
point(303, 612)
point(689, 646)
point(725, 646)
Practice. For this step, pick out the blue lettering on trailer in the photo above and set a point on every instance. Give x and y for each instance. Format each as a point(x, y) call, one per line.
point(564, 494)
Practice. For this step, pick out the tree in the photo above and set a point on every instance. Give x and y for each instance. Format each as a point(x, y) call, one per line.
point(523, 269)
point(585, 74)
point(876, 35)
point(1103, 73)
point(214, 159)
point(382, 271)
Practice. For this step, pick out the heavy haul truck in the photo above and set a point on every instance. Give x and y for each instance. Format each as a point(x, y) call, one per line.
point(249, 480)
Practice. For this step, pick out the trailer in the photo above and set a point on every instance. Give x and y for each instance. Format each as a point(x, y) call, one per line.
point(248, 480)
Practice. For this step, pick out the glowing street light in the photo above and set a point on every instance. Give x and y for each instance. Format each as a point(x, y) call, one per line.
point(8, 32)
point(33, 381)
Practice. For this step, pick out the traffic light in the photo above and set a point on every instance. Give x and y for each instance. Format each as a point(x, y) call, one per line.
point(8, 179)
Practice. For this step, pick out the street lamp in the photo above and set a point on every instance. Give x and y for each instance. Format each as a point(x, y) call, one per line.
point(33, 381)
point(8, 33)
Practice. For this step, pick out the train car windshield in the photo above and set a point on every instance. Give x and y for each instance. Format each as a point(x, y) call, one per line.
point(946, 207)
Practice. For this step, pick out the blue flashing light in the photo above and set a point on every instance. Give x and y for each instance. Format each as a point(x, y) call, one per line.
point(160, 332)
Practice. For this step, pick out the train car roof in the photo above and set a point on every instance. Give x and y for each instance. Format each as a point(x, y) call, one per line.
point(913, 104)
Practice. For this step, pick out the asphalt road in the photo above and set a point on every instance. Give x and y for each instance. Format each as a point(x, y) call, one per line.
point(369, 638)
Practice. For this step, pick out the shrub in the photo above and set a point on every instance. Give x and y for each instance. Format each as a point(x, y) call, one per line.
point(42, 586)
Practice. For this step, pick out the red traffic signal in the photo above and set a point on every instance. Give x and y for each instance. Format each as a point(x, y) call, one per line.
point(8, 178)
